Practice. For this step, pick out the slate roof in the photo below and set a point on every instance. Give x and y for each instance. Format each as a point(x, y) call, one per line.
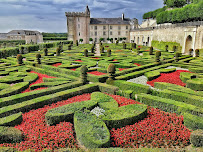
point(22, 32)
point(110, 21)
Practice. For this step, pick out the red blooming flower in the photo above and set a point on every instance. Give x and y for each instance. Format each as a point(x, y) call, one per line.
point(79, 60)
point(137, 64)
point(96, 73)
point(57, 64)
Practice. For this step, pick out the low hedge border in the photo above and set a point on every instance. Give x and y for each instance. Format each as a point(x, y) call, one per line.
point(48, 84)
point(177, 88)
point(169, 105)
point(184, 76)
point(55, 79)
point(15, 89)
point(47, 99)
point(91, 131)
point(10, 135)
point(180, 96)
point(35, 94)
point(125, 115)
point(11, 79)
point(152, 75)
point(66, 112)
point(4, 86)
point(195, 84)
point(11, 120)
point(192, 121)
point(105, 88)
point(196, 138)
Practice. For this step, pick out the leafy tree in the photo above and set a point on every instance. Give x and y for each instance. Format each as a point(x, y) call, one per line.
point(175, 3)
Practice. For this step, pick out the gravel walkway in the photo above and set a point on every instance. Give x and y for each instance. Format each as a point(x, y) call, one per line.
point(177, 68)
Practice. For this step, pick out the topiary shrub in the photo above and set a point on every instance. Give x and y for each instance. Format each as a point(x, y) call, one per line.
point(166, 48)
point(197, 53)
point(19, 59)
point(191, 52)
point(151, 50)
point(109, 52)
point(92, 49)
point(116, 42)
point(83, 74)
point(101, 49)
point(76, 43)
point(111, 71)
point(45, 52)
point(58, 51)
point(86, 53)
point(196, 138)
point(124, 45)
point(4, 54)
point(177, 55)
point(195, 84)
point(21, 50)
point(133, 45)
point(158, 54)
point(69, 47)
point(174, 48)
point(38, 56)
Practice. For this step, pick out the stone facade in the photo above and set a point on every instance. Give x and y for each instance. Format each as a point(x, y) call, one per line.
point(187, 36)
point(28, 36)
point(81, 26)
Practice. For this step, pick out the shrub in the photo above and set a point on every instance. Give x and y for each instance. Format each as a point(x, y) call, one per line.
point(151, 51)
point(92, 49)
point(101, 49)
point(152, 75)
point(133, 45)
point(184, 76)
point(158, 54)
point(10, 135)
point(196, 138)
point(195, 84)
point(90, 39)
point(124, 45)
point(86, 53)
point(166, 48)
point(111, 70)
point(190, 52)
point(21, 50)
point(174, 48)
point(58, 51)
point(83, 74)
point(177, 55)
point(192, 121)
point(69, 47)
point(12, 120)
point(81, 40)
point(76, 42)
point(197, 53)
point(109, 52)
point(116, 42)
point(38, 56)
point(45, 52)
point(19, 59)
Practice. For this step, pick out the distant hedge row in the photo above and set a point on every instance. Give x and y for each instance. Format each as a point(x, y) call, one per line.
point(13, 41)
point(153, 14)
point(162, 45)
point(54, 38)
point(192, 12)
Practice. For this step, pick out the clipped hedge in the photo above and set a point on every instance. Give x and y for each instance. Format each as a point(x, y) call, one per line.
point(55, 79)
point(169, 105)
point(180, 96)
point(196, 69)
point(11, 79)
point(196, 138)
point(192, 121)
point(125, 115)
point(47, 84)
point(152, 75)
point(4, 86)
point(184, 76)
point(15, 89)
point(105, 88)
point(11, 120)
point(66, 112)
point(104, 101)
point(10, 135)
point(195, 84)
point(91, 131)
point(162, 45)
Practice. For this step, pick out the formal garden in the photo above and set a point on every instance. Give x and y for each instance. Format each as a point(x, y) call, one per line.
point(61, 97)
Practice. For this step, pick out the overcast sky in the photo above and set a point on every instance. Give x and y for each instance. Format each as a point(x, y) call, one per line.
point(49, 15)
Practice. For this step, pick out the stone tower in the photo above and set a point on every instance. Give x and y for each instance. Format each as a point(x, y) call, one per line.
point(78, 25)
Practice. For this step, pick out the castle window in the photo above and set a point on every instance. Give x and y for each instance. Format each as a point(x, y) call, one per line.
point(92, 27)
point(104, 33)
point(95, 27)
point(119, 33)
point(111, 33)
point(79, 34)
point(104, 27)
point(126, 27)
point(78, 25)
point(126, 32)
point(119, 27)
point(95, 33)
point(111, 27)
point(95, 39)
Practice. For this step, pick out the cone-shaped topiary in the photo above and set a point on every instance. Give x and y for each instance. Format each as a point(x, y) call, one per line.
point(83, 74)
point(38, 56)
point(92, 49)
point(190, 52)
point(151, 50)
point(133, 45)
point(111, 71)
point(109, 52)
point(58, 51)
point(177, 55)
point(21, 50)
point(124, 46)
point(116, 42)
point(45, 52)
point(76, 42)
point(86, 53)
point(101, 49)
point(174, 48)
point(158, 54)
point(197, 53)
point(166, 48)
point(19, 59)
point(69, 47)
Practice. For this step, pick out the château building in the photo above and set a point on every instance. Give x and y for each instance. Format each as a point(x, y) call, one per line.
point(81, 26)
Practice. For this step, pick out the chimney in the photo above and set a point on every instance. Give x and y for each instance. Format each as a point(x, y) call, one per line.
point(123, 17)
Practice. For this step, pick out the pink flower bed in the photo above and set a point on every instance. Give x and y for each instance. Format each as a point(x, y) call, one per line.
point(79, 60)
point(96, 73)
point(121, 69)
point(57, 64)
point(173, 78)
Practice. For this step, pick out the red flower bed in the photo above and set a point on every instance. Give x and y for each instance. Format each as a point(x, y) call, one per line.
point(106, 46)
point(173, 78)
point(115, 60)
point(121, 69)
point(96, 73)
point(158, 129)
point(73, 69)
point(137, 64)
point(95, 58)
point(39, 80)
point(79, 60)
point(57, 64)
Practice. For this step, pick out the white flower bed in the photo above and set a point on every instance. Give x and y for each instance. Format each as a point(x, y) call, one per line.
point(98, 111)
point(177, 68)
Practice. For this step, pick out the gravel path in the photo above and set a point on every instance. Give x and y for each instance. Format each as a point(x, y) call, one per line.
point(177, 68)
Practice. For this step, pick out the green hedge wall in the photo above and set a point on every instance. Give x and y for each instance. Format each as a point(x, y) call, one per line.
point(153, 14)
point(10, 135)
point(55, 38)
point(11, 120)
point(161, 45)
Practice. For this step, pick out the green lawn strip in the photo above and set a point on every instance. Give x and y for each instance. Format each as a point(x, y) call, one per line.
point(11, 120)
point(15, 89)
point(18, 98)
point(47, 99)
point(66, 112)
point(177, 88)
point(91, 131)
point(180, 96)
point(169, 105)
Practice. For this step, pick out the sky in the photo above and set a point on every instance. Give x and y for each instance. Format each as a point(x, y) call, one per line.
point(49, 15)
